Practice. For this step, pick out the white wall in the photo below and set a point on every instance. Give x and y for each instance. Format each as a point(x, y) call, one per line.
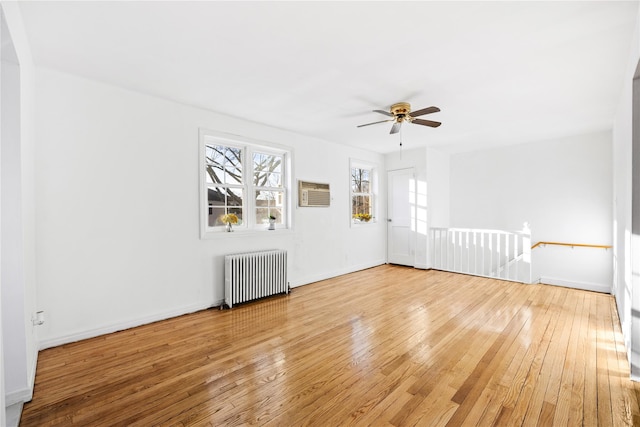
point(626, 285)
point(12, 248)
point(622, 280)
point(562, 187)
point(18, 285)
point(439, 187)
point(117, 220)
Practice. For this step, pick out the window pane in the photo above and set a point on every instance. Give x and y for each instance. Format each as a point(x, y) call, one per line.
point(214, 154)
point(361, 205)
point(267, 162)
point(224, 164)
point(275, 180)
point(233, 158)
point(267, 169)
point(232, 176)
point(214, 216)
point(221, 201)
point(269, 203)
point(233, 165)
point(360, 179)
point(265, 199)
point(262, 216)
point(365, 186)
point(216, 196)
point(213, 174)
point(259, 160)
point(234, 197)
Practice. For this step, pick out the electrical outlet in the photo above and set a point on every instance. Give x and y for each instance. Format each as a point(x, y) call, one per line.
point(38, 318)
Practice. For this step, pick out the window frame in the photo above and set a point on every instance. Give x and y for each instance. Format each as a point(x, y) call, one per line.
point(373, 191)
point(249, 206)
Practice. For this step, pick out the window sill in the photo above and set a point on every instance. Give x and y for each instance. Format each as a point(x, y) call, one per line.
point(363, 223)
point(239, 233)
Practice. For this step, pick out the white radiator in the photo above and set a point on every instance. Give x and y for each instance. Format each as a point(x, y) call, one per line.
point(254, 275)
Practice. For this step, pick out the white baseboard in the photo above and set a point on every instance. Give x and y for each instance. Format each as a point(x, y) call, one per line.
point(595, 287)
point(120, 326)
point(14, 413)
point(18, 396)
point(115, 327)
point(324, 276)
point(26, 394)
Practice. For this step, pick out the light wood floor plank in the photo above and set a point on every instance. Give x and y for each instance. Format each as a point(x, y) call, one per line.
point(520, 368)
point(387, 346)
point(625, 410)
point(605, 414)
point(522, 411)
point(560, 394)
point(576, 401)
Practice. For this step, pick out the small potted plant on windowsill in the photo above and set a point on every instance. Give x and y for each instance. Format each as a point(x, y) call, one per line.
point(272, 222)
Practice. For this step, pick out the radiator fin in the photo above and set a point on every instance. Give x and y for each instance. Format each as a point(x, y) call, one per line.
point(254, 275)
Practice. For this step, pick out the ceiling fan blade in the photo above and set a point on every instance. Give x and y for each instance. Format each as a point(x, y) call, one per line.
point(426, 123)
point(424, 111)
point(375, 123)
point(386, 113)
point(396, 127)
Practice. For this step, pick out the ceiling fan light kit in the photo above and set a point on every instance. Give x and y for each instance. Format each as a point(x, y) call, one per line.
point(401, 112)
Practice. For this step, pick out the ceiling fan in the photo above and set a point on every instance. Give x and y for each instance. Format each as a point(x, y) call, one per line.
point(401, 112)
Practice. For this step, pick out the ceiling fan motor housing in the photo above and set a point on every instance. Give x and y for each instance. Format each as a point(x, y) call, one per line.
point(401, 110)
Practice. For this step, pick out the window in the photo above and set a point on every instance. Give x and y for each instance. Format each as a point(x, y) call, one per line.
point(362, 193)
point(245, 179)
point(269, 189)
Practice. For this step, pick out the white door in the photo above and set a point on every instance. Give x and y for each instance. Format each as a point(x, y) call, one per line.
point(400, 218)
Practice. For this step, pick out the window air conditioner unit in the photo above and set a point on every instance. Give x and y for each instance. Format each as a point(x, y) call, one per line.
point(313, 194)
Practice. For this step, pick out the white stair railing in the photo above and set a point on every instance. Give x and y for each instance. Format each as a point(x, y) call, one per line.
point(488, 253)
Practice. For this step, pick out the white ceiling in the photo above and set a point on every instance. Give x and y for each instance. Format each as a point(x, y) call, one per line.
point(501, 72)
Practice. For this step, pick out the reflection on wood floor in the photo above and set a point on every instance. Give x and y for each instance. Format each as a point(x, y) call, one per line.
point(385, 346)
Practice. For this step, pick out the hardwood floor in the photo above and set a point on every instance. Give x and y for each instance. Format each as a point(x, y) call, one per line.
point(386, 346)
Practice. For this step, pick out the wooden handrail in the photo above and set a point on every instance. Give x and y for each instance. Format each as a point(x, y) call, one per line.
point(582, 245)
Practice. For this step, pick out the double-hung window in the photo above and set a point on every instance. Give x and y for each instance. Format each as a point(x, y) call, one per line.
point(245, 181)
point(269, 188)
point(362, 186)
